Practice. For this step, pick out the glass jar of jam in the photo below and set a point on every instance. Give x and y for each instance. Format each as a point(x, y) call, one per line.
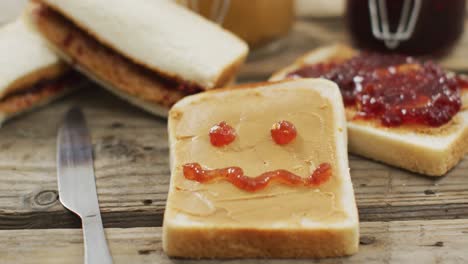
point(412, 27)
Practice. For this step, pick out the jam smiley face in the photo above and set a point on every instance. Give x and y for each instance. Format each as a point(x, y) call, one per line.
point(282, 133)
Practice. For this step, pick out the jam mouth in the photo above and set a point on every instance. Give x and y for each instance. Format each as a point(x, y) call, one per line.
point(236, 176)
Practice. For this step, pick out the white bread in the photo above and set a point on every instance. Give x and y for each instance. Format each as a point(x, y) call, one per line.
point(218, 220)
point(431, 151)
point(26, 60)
point(161, 36)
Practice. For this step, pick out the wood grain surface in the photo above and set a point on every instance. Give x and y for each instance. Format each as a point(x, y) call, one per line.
point(405, 217)
point(436, 241)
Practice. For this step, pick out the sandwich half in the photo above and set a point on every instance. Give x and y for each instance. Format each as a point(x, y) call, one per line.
point(260, 171)
point(151, 53)
point(30, 74)
point(400, 111)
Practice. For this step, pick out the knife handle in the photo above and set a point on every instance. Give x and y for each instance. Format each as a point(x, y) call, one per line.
point(96, 250)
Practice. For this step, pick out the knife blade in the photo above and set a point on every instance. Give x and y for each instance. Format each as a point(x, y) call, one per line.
point(77, 183)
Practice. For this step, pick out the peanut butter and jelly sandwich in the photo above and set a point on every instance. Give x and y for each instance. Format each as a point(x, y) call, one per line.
point(151, 53)
point(31, 75)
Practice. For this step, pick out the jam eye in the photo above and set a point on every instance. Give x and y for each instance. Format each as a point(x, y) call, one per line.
point(283, 132)
point(222, 134)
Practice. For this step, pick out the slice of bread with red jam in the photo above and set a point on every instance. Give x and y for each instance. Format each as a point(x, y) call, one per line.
point(260, 171)
point(400, 111)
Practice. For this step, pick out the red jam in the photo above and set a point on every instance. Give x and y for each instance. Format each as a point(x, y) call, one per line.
point(235, 175)
point(395, 89)
point(283, 132)
point(222, 134)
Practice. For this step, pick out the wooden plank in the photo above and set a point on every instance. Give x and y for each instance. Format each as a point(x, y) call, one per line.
point(437, 241)
point(131, 163)
point(133, 175)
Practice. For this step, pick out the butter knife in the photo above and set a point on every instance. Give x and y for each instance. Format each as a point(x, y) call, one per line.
point(77, 185)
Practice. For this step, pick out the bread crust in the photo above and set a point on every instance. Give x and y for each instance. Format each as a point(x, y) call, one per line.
point(260, 243)
point(365, 138)
point(416, 158)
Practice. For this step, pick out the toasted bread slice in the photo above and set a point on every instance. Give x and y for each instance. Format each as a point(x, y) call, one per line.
point(30, 74)
point(219, 220)
point(425, 150)
point(157, 53)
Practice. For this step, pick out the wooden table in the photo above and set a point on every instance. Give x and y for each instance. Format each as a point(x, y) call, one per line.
point(405, 218)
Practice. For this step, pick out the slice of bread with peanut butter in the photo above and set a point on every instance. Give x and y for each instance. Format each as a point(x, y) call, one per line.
point(30, 74)
point(260, 171)
point(151, 53)
point(423, 148)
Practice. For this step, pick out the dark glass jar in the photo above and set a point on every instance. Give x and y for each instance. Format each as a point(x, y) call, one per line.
point(438, 24)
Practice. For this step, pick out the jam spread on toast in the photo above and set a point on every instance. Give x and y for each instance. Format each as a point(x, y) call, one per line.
point(235, 175)
point(222, 134)
point(283, 132)
point(395, 89)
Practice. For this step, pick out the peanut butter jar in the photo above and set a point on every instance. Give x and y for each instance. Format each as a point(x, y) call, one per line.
point(258, 22)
